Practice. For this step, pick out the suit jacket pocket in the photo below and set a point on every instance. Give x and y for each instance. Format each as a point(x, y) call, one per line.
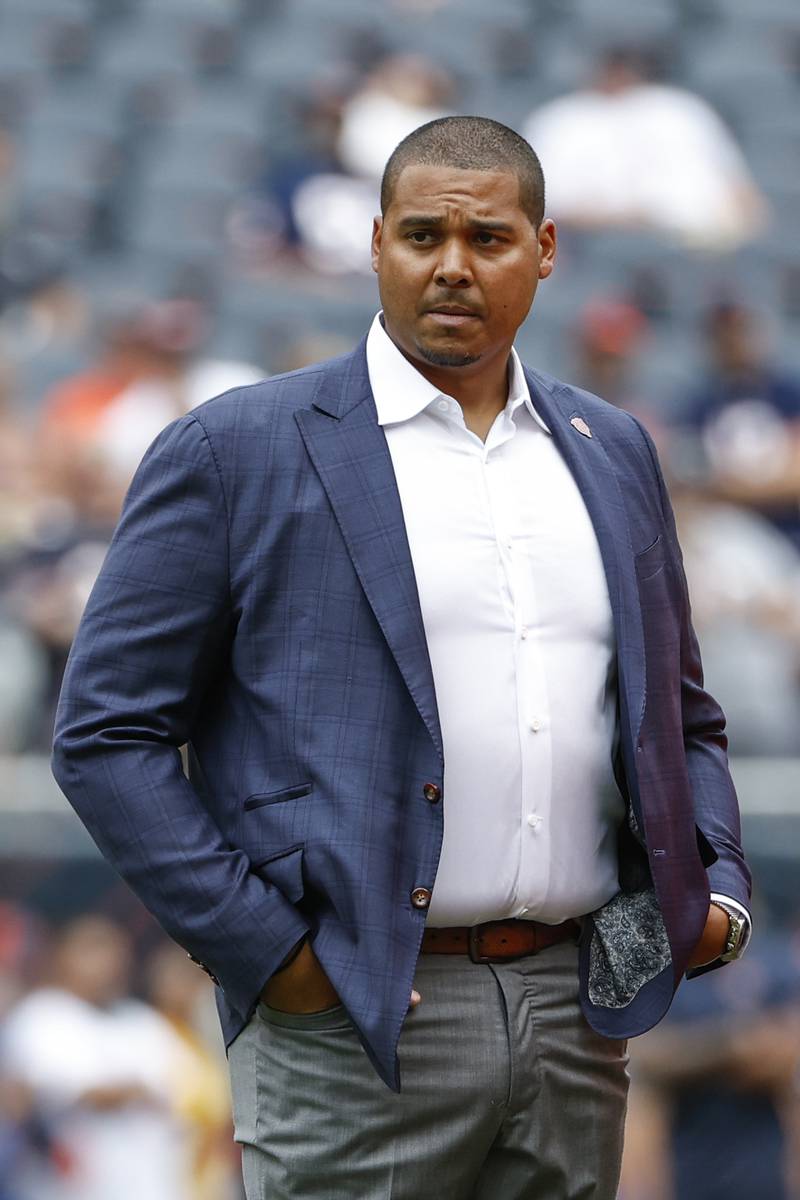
point(285, 871)
point(259, 799)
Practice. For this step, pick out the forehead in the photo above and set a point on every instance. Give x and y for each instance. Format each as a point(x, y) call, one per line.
point(454, 191)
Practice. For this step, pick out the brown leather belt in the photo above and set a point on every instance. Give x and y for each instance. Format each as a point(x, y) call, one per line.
point(497, 941)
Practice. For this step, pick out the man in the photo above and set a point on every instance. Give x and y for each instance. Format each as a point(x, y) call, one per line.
point(628, 151)
point(331, 585)
point(97, 1064)
point(745, 411)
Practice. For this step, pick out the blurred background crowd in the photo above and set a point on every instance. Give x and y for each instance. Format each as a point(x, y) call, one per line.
point(186, 195)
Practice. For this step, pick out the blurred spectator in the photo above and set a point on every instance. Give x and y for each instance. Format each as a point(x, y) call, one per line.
point(23, 1141)
point(609, 337)
point(96, 1064)
point(43, 313)
point(23, 662)
point(724, 1065)
point(8, 181)
point(747, 414)
point(628, 151)
point(744, 580)
point(310, 348)
point(197, 1076)
point(43, 602)
point(148, 372)
point(64, 491)
point(263, 218)
point(332, 209)
point(401, 93)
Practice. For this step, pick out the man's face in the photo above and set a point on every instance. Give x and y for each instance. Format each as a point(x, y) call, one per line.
point(458, 263)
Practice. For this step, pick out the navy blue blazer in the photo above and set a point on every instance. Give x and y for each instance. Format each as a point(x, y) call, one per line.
point(258, 602)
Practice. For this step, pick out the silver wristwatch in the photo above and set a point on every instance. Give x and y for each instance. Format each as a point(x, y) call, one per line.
point(737, 931)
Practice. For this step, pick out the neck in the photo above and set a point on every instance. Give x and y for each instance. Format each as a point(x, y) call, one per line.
point(481, 388)
point(482, 396)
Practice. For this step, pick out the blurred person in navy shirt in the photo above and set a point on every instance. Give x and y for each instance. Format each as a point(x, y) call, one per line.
point(747, 413)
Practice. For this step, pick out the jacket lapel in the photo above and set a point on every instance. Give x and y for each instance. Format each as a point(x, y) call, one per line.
point(349, 451)
point(598, 485)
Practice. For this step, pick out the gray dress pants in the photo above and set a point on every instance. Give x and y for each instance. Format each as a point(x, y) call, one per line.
point(507, 1094)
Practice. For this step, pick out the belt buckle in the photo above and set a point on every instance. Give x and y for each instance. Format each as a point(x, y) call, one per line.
point(473, 945)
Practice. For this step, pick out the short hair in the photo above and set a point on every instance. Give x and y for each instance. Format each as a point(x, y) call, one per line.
point(470, 144)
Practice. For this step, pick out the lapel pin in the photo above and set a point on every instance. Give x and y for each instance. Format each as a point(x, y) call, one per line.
point(581, 426)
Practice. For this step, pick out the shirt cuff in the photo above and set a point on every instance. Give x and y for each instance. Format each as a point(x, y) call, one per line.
point(741, 910)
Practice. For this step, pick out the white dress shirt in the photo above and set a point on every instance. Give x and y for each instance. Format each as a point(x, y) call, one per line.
point(519, 630)
point(521, 640)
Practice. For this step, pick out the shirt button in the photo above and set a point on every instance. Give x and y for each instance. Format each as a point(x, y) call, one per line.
point(420, 897)
point(432, 792)
point(523, 633)
point(534, 820)
point(536, 725)
point(443, 405)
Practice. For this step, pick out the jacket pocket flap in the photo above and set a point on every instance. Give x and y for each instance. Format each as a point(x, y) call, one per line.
point(285, 871)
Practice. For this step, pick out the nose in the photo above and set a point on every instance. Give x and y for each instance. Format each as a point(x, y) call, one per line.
point(453, 269)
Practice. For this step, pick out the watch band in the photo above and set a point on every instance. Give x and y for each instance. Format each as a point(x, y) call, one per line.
point(737, 928)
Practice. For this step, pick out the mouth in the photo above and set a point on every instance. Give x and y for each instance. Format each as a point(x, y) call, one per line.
point(452, 314)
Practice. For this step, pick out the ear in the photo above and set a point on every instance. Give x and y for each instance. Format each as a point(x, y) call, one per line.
point(377, 230)
point(548, 241)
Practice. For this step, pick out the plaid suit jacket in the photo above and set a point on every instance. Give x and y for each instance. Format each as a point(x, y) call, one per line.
point(258, 602)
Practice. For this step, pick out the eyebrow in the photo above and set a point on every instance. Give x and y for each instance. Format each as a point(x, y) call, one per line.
point(427, 222)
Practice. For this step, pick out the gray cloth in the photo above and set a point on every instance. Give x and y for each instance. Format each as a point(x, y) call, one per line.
point(507, 1094)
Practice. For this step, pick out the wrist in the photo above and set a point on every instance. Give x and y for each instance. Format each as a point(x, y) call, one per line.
point(291, 956)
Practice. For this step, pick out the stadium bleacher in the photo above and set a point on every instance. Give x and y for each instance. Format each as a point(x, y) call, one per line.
point(158, 114)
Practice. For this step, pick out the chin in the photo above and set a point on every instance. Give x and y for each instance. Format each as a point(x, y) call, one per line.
point(446, 356)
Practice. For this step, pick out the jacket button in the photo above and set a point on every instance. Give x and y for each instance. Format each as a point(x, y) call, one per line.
point(432, 792)
point(420, 897)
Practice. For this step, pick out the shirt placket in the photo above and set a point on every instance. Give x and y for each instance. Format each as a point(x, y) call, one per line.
point(532, 709)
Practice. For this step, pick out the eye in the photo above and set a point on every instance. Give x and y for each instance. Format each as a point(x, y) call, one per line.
point(484, 238)
point(420, 237)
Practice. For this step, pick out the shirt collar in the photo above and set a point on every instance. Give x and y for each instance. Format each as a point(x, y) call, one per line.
point(401, 392)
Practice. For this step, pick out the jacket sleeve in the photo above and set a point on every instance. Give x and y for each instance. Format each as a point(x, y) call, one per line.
point(705, 742)
point(156, 630)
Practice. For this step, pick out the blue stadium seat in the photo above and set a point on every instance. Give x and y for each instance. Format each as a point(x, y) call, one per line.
point(75, 160)
point(223, 107)
point(184, 222)
point(58, 10)
point(94, 107)
point(765, 12)
point(599, 22)
point(142, 52)
point(189, 157)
